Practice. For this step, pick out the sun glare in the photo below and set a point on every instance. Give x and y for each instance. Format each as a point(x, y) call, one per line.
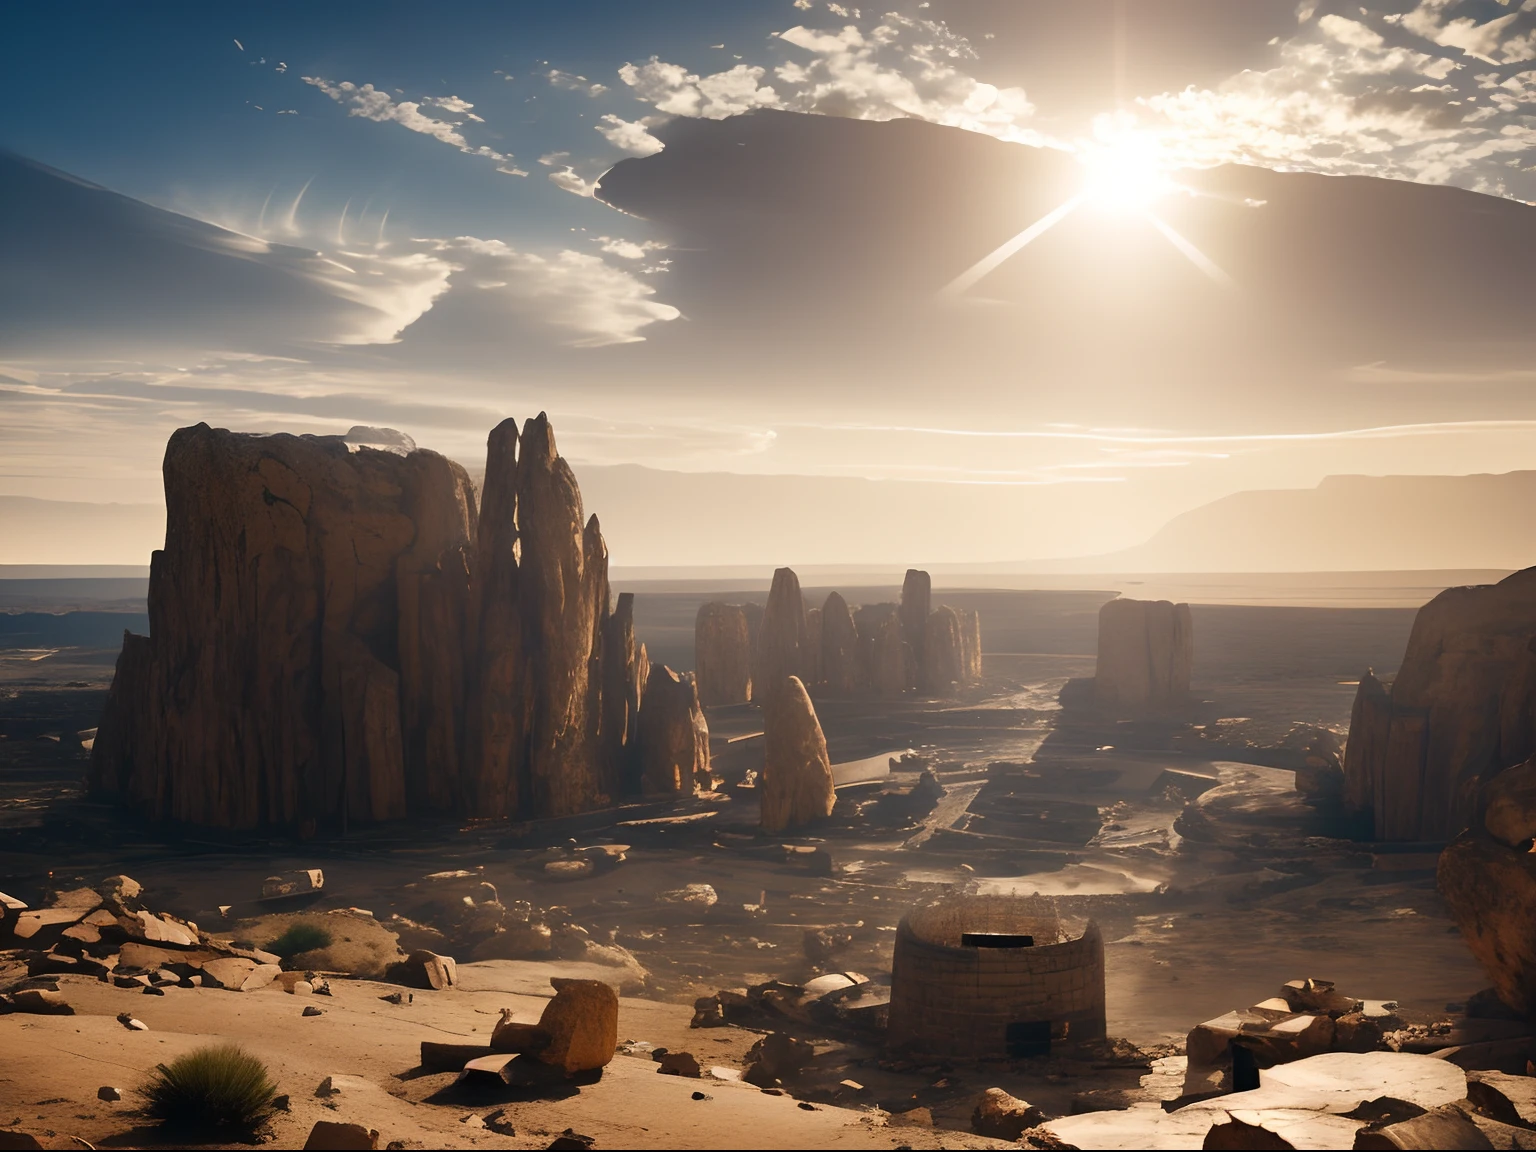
point(1124, 176)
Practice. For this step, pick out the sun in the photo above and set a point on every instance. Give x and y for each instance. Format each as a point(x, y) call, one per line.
point(1123, 176)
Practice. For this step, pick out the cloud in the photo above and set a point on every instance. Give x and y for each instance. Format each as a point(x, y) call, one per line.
point(581, 299)
point(632, 136)
point(370, 103)
point(627, 249)
point(1484, 41)
point(678, 92)
point(902, 67)
point(573, 83)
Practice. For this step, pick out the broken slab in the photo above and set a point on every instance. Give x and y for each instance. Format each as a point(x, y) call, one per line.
point(1506, 1098)
point(582, 1022)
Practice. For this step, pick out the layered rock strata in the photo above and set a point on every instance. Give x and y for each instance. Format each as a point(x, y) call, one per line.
point(1146, 653)
point(1461, 709)
point(796, 785)
point(341, 637)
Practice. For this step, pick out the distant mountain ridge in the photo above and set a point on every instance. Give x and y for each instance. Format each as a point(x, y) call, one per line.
point(678, 519)
point(1349, 523)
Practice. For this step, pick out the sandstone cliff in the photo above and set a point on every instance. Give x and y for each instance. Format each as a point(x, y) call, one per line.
point(1461, 709)
point(1146, 653)
point(339, 637)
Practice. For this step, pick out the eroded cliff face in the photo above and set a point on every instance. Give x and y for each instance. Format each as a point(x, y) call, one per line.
point(338, 637)
point(1461, 710)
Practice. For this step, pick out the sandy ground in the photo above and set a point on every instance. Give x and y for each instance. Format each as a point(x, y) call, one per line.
point(52, 1066)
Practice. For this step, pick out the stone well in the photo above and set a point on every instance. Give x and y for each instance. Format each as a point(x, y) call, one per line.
point(992, 977)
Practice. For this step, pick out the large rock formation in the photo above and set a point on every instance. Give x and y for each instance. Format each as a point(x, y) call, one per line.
point(810, 653)
point(625, 673)
point(916, 605)
point(1146, 652)
point(839, 647)
point(722, 653)
point(1462, 708)
point(942, 668)
point(886, 664)
point(781, 643)
point(1488, 879)
point(674, 737)
point(970, 643)
point(337, 637)
point(796, 785)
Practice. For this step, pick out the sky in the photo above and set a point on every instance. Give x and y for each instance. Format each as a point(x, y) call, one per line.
point(1047, 287)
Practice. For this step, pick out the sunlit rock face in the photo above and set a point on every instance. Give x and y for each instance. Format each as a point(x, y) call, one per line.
point(782, 641)
point(839, 647)
point(673, 736)
point(1461, 709)
point(338, 637)
point(1146, 652)
point(796, 786)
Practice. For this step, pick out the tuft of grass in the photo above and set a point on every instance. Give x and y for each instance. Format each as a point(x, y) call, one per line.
point(302, 936)
point(220, 1086)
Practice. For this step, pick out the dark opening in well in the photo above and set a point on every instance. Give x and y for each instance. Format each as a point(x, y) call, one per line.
point(996, 940)
point(1028, 1038)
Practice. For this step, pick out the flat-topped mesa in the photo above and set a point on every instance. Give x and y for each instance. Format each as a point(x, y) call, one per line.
point(338, 637)
point(1146, 653)
point(1461, 709)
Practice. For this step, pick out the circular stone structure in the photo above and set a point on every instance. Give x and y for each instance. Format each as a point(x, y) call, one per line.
point(993, 977)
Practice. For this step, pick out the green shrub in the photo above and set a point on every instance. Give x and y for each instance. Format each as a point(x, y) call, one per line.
point(219, 1086)
point(302, 936)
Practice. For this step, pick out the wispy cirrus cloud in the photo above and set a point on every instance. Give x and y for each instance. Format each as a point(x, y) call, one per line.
point(440, 117)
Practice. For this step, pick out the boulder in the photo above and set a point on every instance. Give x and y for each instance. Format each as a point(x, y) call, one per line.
point(582, 1022)
point(423, 969)
point(41, 1002)
point(510, 1036)
point(1490, 891)
point(327, 1134)
point(722, 654)
point(1146, 652)
point(942, 664)
point(781, 644)
point(1461, 710)
point(839, 648)
point(673, 737)
point(301, 882)
point(1509, 806)
point(796, 786)
point(121, 890)
point(1003, 1117)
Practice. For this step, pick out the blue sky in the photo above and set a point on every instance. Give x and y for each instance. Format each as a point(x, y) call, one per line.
point(499, 285)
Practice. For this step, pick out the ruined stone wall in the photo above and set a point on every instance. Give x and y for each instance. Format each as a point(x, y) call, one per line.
point(956, 1001)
